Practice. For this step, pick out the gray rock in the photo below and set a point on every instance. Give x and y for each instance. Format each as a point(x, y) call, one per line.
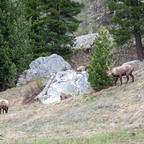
point(44, 67)
point(84, 41)
point(140, 74)
point(67, 81)
point(139, 97)
point(136, 64)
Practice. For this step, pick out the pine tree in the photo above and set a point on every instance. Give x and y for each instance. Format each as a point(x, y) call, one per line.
point(5, 64)
point(53, 24)
point(100, 60)
point(128, 22)
point(60, 24)
point(14, 42)
point(37, 34)
point(19, 38)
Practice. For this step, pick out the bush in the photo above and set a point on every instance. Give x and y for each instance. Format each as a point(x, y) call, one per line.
point(100, 60)
point(33, 92)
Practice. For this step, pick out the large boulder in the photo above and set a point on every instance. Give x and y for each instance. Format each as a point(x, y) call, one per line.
point(84, 41)
point(137, 64)
point(67, 81)
point(44, 67)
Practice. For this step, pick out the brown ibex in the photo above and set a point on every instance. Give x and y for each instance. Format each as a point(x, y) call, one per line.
point(3, 106)
point(124, 70)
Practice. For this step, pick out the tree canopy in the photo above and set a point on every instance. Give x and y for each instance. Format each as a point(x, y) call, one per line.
point(128, 22)
point(100, 60)
point(37, 34)
point(15, 52)
point(33, 28)
point(53, 24)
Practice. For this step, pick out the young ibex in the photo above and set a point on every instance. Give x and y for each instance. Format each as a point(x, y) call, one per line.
point(124, 70)
point(82, 68)
point(3, 106)
point(65, 95)
point(89, 48)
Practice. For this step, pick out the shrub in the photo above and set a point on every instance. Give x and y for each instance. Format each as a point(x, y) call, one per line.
point(100, 60)
point(33, 91)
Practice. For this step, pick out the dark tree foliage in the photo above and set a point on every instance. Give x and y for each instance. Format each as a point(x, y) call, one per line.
point(14, 42)
point(37, 33)
point(60, 23)
point(53, 24)
point(128, 22)
point(100, 60)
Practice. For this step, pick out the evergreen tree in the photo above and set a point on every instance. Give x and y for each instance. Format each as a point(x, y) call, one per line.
point(128, 22)
point(14, 42)
point(100, 61)
point(37, 34)
point(60, 23)
point(19, 38)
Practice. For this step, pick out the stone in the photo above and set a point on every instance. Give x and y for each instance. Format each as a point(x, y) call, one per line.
point(140, 74)
point(44, 67)
point(137, 64)
point(66, 81)
point(84, 41)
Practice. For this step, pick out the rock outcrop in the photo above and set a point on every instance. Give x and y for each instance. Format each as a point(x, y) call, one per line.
point(69, 81)
point(137, 64)
point(44, 67)
point(84, 41)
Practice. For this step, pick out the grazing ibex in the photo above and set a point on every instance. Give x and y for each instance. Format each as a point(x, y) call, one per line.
point(3, 106)
point(65, 95)
point(89, 48)
point(82, 68)
point(124, 70)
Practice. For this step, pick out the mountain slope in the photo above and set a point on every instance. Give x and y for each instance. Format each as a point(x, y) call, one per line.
point(111, 115)
point(93, 15)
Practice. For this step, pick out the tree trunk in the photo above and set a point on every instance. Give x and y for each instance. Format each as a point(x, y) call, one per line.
point(4, 85)
point(137, 35)
point(139, 48)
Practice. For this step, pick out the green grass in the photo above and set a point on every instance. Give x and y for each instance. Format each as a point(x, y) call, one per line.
point(124, 136)
point(91, 118)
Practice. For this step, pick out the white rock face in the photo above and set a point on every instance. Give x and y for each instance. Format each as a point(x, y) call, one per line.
point(84, 41)
point(67, 81)
point(44, 66)
point(137, 64)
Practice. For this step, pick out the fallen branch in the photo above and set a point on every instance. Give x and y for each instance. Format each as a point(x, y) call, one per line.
point(44, 92)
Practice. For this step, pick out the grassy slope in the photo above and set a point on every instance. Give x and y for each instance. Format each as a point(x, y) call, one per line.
point(113, 115)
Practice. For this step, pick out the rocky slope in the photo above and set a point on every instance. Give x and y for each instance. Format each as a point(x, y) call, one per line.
point(93, 15)
point(113, 115)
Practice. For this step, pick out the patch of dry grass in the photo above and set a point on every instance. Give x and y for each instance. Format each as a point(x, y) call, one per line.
point(33, 91)
point(86, 115)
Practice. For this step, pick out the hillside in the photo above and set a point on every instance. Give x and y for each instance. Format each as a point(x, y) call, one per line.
point(110, 116)
point(93, 15)
point(80, 57)
point(114, 115)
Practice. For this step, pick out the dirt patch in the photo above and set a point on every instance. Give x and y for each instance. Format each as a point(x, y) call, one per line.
point(85, 115)
point(80, 57)
point(125, 55)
